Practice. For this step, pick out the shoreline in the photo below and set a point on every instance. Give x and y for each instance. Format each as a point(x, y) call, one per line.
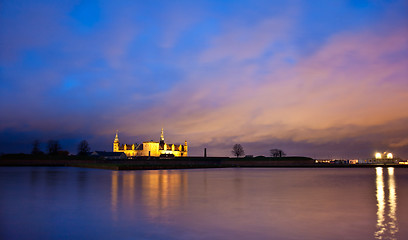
point(177, 163)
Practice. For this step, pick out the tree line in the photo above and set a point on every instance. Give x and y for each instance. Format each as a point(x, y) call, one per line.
point(53, 147)
point(238, 150)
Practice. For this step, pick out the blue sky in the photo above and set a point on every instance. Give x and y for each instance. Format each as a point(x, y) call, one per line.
point(315, 78)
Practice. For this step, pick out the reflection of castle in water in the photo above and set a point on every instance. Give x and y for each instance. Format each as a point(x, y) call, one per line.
point(159, 190)
point(386, 204)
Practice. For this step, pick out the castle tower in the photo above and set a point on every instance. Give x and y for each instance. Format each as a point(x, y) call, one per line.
point(116, 143)
point(162, 144)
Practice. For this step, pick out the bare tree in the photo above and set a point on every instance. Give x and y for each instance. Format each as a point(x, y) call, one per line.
point(238, 150)
point(83, 148)
point(53, 147)
point(277, 153)
point(36, 148)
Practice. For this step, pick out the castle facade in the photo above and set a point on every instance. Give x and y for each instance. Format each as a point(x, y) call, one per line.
point(154, 149)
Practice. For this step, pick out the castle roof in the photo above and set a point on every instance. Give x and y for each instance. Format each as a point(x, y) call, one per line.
point(140, 146)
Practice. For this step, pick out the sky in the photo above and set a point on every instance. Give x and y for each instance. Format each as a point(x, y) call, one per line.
point(324, 79)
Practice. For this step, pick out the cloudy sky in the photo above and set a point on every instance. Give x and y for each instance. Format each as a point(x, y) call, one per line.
point(315, 78)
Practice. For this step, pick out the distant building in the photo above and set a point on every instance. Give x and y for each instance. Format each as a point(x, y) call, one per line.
point(381, 158)
point(109, 155)
point(323, 160)
point(150, 148)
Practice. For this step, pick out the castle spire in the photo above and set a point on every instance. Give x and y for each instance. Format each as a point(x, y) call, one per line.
point(162, 135)
point(116, 137)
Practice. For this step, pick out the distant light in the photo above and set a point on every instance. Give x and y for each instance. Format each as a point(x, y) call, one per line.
point(389, 155)
point(378, 155)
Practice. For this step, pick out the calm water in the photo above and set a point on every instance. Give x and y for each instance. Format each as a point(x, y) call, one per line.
point(277, 203)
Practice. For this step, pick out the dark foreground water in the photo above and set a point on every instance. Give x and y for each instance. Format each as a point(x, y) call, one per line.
point(274, 203)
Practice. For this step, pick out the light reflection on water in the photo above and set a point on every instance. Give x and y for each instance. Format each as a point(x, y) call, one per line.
point(386, 209)
point(380, 203)
point(392, 202)
point(160, 190)
point(71, 203)
point(114, 193)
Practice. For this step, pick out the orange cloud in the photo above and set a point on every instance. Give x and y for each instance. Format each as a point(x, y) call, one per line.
point(351, 85)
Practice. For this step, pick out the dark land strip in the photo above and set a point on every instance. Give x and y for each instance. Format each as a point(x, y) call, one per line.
point(151, 163)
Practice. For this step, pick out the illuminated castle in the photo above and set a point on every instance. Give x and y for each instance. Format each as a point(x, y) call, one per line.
point(154, 149)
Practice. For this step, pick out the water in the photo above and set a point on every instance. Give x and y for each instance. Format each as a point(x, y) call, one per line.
point(274, 203)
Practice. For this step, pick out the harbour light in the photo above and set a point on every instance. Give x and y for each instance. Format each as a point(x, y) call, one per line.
point(378, 155)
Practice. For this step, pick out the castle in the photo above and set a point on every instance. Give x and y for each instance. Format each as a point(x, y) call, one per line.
point(154, 149)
